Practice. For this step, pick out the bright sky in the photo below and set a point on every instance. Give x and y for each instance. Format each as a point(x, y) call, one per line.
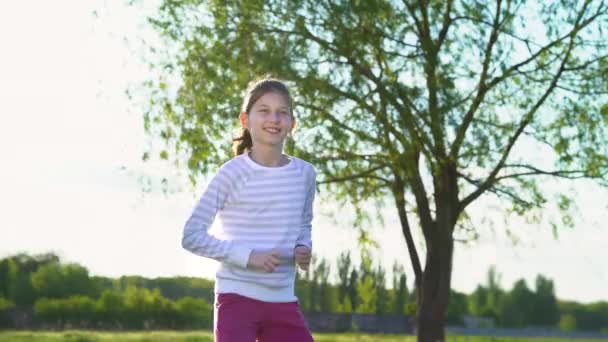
point(71, 146)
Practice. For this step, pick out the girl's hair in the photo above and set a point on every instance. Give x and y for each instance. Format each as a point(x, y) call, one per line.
point(242, 142)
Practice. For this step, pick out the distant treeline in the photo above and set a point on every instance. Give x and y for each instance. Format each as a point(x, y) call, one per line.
point(60, 295)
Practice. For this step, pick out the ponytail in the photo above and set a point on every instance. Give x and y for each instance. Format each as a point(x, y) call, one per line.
point(242, 143)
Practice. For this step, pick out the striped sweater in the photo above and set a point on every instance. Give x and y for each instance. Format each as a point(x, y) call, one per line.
point(259, 208)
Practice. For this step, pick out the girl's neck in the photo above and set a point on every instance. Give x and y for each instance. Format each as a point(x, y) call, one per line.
point(268, 157)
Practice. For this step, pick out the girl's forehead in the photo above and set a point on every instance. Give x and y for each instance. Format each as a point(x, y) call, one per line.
point(272, 99)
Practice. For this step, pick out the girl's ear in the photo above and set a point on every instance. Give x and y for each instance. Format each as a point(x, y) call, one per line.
point(293, 123)
point(244, 119)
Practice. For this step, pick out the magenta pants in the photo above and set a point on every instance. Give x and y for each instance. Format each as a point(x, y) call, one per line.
point(242, 319)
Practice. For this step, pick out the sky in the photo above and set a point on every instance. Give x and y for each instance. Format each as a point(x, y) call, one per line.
point(71, 175)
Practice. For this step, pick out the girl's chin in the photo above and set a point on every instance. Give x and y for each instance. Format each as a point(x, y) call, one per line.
point(270, 142)
point(271, 138)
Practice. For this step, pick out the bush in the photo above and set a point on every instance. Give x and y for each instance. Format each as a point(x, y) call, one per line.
point(5, 319)
point(77, 311)
point(194, 313)
point(567, 323)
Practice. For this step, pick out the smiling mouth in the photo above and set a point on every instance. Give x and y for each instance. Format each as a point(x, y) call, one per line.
point(272, 130)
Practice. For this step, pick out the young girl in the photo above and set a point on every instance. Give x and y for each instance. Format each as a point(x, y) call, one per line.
point(263, 199)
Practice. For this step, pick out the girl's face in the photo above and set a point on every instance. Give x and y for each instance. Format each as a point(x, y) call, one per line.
point(269, 120)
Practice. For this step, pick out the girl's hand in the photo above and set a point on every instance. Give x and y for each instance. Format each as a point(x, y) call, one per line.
point(303, 254)
point(263, 261)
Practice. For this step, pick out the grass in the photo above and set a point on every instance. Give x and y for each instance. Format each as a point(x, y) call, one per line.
point(198, 336)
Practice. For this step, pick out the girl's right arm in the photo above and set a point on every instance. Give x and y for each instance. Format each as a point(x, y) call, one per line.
point(196, 237)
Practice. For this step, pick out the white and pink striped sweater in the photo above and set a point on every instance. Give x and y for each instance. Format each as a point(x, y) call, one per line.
point(259, 208)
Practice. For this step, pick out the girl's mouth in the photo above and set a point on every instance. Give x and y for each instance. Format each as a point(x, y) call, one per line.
point(272, 130)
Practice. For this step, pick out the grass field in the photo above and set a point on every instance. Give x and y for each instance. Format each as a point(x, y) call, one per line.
point(87, 336)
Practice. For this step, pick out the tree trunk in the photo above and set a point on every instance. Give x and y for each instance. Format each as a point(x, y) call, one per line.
point(434, 292)
point(434, 282)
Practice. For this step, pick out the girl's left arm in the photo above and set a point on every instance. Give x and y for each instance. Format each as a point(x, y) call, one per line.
point(305, 237)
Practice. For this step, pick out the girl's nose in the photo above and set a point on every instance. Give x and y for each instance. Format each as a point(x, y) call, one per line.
point(275, 116)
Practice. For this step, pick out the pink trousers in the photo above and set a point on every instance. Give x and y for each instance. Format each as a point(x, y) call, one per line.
point(242, 319)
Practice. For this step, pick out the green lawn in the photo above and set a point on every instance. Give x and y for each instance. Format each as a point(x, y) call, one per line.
point(86, 336)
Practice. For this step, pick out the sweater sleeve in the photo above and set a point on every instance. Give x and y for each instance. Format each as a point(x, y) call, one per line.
point(196, 237)
point(305, 236)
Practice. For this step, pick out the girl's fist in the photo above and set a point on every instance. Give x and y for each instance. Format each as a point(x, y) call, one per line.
point(263, 261)
point(303, 255)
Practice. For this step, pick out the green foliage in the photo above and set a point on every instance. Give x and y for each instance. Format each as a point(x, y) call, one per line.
point(457, 308)
point(516, 309)
point(5, 304)
point(344, 268)
point(70, 311)
point(194, 313)
point(345, 306)
point(367, 295)
point(54, 280)
point(15, 272)
point(545, 311)
point(400, 290)
point(591, 317)
point(353, 294)
point(5, 272)
point(383, 297)
point(136, 307)
point(111, 308)
point(374, 89)
point(5, 319)
point(144, 307)
point(567, 323)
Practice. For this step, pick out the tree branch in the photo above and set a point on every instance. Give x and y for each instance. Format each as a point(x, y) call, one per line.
point(399, 194)
point(447, 21)
point(481, 89)
point(340, 123)
point(489, 182)
point(363, 174)
point(536, 172)
point(498, 191)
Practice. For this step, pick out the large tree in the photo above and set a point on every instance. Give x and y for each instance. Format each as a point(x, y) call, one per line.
point(419, 102)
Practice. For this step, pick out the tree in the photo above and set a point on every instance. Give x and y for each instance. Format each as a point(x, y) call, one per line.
point(567, 323)
point(382, 294)
point(545, 311)
point(494, 294)
point(54, 280)
point(5, 272)
point(457, 308)
point(367, 295)
point(20, 289)
point(400, 288)
point(6, 320)
point(323, 269)
point(314, 287)
point(353, 285)
point(344, 266)
point(77, 311)
point(194, 313)
point(110, 308)
point(15, 276)
point(517, 306)
point(426, 103)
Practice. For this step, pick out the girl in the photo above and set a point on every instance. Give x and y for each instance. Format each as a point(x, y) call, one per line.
point(263, 199)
